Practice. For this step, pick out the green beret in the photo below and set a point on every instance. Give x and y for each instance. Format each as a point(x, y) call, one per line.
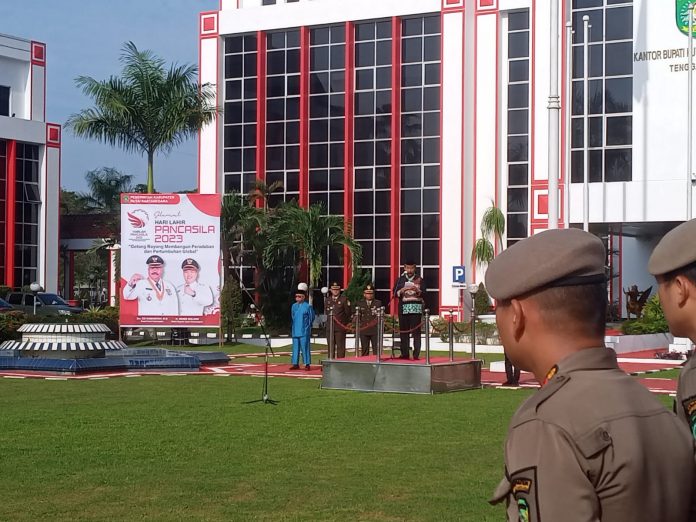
point(564, 257)
point(676, 250)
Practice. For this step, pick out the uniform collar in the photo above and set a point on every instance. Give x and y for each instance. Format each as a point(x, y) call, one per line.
point(600, 358)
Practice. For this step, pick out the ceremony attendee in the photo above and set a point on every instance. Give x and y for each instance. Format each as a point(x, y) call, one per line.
point(673, 263)
point(340, 306)
point(193, 295)
point(366, 310)
point(512, 373)
point(593, 443)
point(155, 295)
point(302, 315)
point(410, 290)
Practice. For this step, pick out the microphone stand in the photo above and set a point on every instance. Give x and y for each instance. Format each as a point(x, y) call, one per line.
point(265, 398)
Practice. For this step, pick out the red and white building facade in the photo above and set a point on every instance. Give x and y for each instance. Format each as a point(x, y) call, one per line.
point(30, 150)
point(412, 117)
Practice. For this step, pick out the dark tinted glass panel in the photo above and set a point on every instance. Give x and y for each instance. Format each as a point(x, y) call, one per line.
point(517, 174)
point(293, 85)
point(250, 42)
point(365, 31)
point(411, 75)
point(363, 178)
point(411, 151)
point(410, 201)
point(364, 128)
point(364, 79)
point(431, 176)
point(431, 48)
point(319, 58)
point(275, 62)
point(596, 21)
point(364, 103)
point(410, 177)
point(293, 38)
point(412, 50)
point(519, 71)
point(517, 148)
point(619, 59)
point(382, 227)
point(431, 200)
point(518, 45)
point(382, 202)
point(234, 44)
point(338, 56)
point(320, 35)
point(518, 20)
point(250, 64)
point(412, 26)
point(338, 34)
point(275, 86)
point(431, 124)
point(411, 100)
point(293, 61)
point(518, 121)
point(384, 51)
point(432, 74)
point(617, 165)
point(364, 54)
point(410, 226)
point(233, 66)
point(233, 136)
point(233, 91)
point(363, 203)
point(384, 29)
point(382, 257)
point(431, 226)
point(383, 80)
point(518, 96)
point(596, 63)
point(619, 24)
point(595, 166)
point(411, 125)
point(518, 200)
point(619, 130)
point(431, 98)
point(431, 150)
point(517, 225)
point(619, 95)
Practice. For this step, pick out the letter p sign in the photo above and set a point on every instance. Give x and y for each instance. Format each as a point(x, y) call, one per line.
point(458, 274)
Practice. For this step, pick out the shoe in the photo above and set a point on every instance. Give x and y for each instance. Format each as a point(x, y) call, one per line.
point(506, 383)
point(416, 358)
point(295, 367)
point(404, 357)
point(307, 367)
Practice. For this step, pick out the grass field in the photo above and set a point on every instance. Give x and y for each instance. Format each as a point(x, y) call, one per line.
point(188, 448)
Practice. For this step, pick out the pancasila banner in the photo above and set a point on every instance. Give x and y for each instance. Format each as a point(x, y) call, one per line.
point(170, 260)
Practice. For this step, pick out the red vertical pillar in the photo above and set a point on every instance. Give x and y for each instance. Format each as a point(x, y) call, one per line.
point(304, 117)
point(11, 197)
point(348, 130)
point(260, 108)
point(396, 150)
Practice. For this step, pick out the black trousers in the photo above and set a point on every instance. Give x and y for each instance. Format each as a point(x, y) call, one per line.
point(365, 341)
point(337, 345)
point(407, 323)
point(512, 373)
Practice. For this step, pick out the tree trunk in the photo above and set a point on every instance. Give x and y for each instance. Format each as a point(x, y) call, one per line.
point(150, 173)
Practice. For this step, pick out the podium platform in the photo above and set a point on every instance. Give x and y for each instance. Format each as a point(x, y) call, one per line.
point(401, 376)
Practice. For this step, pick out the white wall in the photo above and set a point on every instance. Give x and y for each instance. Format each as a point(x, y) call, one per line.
point(15, 74)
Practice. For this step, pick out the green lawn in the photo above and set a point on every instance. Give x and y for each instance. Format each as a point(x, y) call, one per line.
point(188, 448)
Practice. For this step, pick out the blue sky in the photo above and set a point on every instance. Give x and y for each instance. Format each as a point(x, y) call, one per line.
point(84, 37)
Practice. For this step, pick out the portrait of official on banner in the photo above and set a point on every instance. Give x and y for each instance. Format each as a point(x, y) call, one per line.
point(170, 260)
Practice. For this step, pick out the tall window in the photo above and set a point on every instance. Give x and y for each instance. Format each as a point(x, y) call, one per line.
point(3, 207)
point(327, 86)
point(420, 147)
point(28, 204)
point(239, 160)
point(372, 149)
point(611, 90)
point(517, 126)
point(283, 113)
point(4, 100)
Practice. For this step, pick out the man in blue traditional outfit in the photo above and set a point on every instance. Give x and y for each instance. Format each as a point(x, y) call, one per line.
point(302, 318)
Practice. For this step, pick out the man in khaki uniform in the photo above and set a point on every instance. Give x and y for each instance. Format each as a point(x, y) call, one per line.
point(366, 310)
point(592, 444)
point(340, 306)
point(673, 263)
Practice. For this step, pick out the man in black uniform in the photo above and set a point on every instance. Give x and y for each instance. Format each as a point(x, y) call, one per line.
point(410, 290)
point(366, 310)
point(340, 306)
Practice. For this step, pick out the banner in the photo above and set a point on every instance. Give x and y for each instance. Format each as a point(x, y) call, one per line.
point(170, 260)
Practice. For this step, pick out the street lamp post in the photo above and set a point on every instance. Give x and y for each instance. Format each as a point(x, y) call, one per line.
point(35, 288)
point(473, 288)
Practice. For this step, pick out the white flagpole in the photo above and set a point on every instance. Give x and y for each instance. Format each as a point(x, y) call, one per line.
point(554, 121)
point(568, 119)
point(689, 112)
point(586, 126)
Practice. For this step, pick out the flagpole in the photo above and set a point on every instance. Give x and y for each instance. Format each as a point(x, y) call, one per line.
point(568, 119)
point(689, 116)
point(554, 121)
point(586, 126)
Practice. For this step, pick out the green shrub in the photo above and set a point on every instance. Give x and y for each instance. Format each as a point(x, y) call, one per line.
point(9, 323)
point(482, 301)
point(652, 321)
point(4, 290)
point(357, 284)
point(484, 331)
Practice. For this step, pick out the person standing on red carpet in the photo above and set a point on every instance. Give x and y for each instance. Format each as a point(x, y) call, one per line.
point(302, 315)
point(409, 289)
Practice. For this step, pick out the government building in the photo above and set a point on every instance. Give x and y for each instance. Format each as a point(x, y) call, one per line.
point(29, 169)
point(411, 118)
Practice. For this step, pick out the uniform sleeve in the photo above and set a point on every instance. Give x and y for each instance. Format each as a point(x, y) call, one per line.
point(204, 295)
point(131, 293)
point(685, 403)
point(546, 480)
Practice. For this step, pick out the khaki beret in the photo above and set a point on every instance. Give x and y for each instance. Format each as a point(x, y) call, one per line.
point(565, 257)
point(676, 250)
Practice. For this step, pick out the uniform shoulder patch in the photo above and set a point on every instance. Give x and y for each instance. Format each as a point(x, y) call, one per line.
point(523, 488)
point(689, 405)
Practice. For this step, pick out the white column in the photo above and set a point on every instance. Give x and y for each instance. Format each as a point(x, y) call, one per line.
point(209, 72)
point(554, 119)
point(452, 171)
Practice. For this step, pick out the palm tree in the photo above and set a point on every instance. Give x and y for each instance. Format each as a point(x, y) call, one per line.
point(308, 233)
point(492, 226)
point(148, 109)
point(105, 187)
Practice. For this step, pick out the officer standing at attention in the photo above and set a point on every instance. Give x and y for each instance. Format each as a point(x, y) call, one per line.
point(409, 289)
point(340, 306)
point(592, 444)
point(673, 263)
point(155, 295)
point(366, 310)
point(194, 296)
